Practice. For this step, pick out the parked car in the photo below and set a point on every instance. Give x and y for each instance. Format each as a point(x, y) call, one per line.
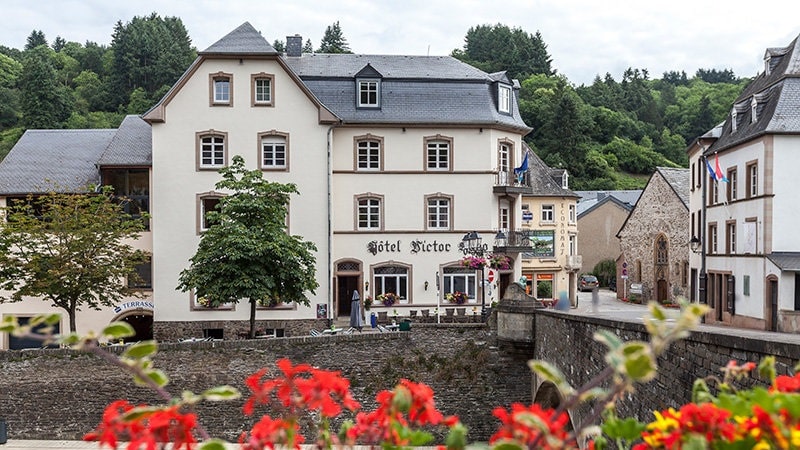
point(587, 283)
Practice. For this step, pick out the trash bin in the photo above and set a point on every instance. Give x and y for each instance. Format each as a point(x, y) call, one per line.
point(3, 433)
point(373, 320)
point(405, 325)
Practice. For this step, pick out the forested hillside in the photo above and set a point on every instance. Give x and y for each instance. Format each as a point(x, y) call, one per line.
point(609, 135)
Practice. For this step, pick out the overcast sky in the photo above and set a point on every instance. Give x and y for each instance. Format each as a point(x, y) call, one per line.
point(584, 37)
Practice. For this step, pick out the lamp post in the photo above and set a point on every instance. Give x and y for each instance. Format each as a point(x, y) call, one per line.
point(472, 244)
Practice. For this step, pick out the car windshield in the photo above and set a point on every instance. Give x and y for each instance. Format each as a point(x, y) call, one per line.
point(590, 278)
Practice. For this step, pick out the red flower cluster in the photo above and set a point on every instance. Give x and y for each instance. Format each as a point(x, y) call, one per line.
point(302, 387)
point(389, 424)
point(785, 383)
point(533, 427)
point(144, 426)
point(675, 427)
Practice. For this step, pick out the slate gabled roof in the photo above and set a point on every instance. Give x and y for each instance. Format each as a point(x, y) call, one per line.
point(131, 145)
point(61, 160)
point(787, 261)
point(244, 40)
point(777, 94)
point(678, 179)
point(414, 89)
point(541, 177)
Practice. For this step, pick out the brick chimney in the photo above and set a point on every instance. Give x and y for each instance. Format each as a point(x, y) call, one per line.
point(294, 45)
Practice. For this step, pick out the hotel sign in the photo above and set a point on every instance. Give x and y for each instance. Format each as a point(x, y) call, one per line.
point(133, 305)
point(416, 246)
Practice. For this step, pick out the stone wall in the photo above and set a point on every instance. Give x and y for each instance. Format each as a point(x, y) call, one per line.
point(567, 341)
point(60, 394)
point(659, 210)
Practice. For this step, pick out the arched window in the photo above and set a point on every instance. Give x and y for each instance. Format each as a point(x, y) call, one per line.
point(662, 254)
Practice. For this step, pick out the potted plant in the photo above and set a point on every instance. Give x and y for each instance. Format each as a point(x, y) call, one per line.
point(457, 297)
point(368, 302)
point(388, 298)
point(500, 262)
point(473, 262)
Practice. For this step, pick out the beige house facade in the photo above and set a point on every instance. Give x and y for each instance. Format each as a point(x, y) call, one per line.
point(600, 216)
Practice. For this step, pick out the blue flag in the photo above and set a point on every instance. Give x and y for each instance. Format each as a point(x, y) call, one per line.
point(524, 167)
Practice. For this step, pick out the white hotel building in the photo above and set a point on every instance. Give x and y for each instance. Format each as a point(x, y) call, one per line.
point(396, 159)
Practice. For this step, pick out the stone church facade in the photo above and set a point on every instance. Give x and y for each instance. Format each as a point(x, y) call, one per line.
point(655, 239)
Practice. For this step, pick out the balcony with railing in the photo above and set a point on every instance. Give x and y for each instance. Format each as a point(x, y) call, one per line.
point(509, 183)
point(574, 262)
point(515, 241)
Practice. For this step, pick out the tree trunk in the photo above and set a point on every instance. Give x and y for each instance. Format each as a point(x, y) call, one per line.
point(71, 311)
point(252, 319)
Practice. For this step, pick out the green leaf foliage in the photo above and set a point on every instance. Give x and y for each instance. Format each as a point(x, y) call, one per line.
point(141, 350)
point(247, 253)
point(220, 393)
point(213, 444)
point(118, 330)
point(71, 250)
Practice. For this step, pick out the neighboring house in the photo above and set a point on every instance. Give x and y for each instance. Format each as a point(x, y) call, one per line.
point(550, 213)
point(68, 161)
point(600, 216)
point(655, 239)
point(396, 158)
point(750, 248)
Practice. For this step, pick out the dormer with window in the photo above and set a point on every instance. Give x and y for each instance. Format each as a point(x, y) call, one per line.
point(753, 110)
point(734, 120)
point(368, 88)
point(504, 98)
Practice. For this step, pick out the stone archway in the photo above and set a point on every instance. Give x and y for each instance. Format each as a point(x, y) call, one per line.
point(548, 396)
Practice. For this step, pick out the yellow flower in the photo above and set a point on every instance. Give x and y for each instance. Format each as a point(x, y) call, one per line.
point(665, 424)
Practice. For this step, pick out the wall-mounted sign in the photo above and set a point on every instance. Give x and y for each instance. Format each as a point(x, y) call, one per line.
point(416, 246)
point(133, 305)
point(527, 215)
point(543, 243)
point(544, 276)
point(636, 288)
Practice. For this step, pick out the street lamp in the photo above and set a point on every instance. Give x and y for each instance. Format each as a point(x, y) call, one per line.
point(694, 244)
point(472, 244)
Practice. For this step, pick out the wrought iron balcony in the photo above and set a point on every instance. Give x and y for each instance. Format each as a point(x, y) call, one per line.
point(517, 241)
point(507, 182)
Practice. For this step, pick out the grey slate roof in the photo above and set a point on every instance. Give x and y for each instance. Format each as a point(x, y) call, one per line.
point(414, 89)
point(244, 40)
point(589, 200)
point(542, 177)
point(131, 145)
point(777, 94)
point(62, 160)
point(787, 261)
point(678, 179)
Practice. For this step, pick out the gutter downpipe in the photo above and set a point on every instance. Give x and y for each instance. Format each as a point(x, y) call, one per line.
point(330, 225)
point(703, 278)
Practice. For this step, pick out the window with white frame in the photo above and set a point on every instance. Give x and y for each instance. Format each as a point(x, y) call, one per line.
point(262, 90)
point(211, 151)
point(504, 99)
point(274, 152)
point(206, 204)
point(369, 213)
point(548, 213)
point(572, 213)
point(573, 245)
point(715, 193)
point(504, 157)
point(221, 89)
point(732, 193)
point(438, 154)
point(505, 217)
point(391, 279)
point(752, 179)
point(731, 243)
point(459, 279)
point(712, 239)
point(368, 154)
point(438, 213)
point(368, 93)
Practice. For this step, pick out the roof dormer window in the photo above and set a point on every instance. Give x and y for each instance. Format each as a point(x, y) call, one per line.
point(733, 120)
point(369, 93)
point(504, 98)
point(753, 110)
point(767, 66)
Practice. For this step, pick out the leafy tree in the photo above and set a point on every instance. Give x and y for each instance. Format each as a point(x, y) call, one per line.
point(675, 78)
point(333, 41)
point(59, 44)
point(247, 253)
point(605, 271)
point(307, 47)
point(494, 48)
point(73, 255)
point(279, 45)
point(44, 103)
point(8, 138)
point(716, 76)
point(35, 39)
point(148, 52)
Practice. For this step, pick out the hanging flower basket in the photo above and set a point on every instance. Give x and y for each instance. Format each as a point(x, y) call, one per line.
point(501, 262)
point(473, 262)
